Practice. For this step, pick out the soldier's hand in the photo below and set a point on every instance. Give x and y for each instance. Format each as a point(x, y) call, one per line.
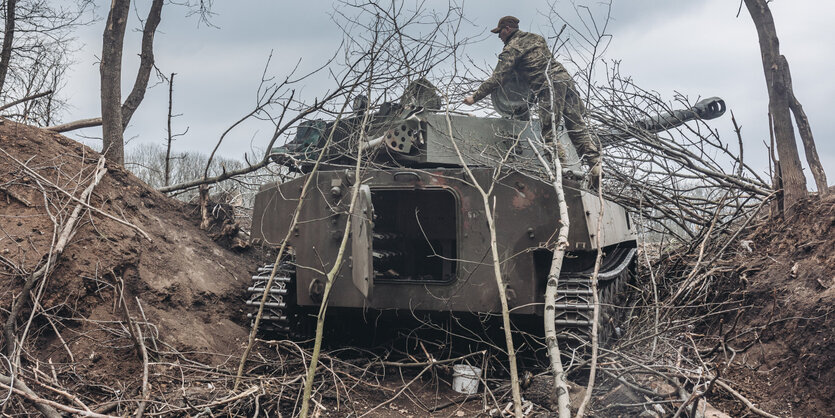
point(469, 100)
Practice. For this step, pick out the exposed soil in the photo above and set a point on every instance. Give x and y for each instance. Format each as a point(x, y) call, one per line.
point(189, 287)
point(786, 282)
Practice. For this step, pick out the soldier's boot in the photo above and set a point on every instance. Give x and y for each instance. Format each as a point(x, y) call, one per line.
point(594, 174)
point(553, 150)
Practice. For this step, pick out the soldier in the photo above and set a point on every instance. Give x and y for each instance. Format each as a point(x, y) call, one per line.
point(529, 56)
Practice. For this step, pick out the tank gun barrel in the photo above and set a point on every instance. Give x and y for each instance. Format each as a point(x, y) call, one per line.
point(706, 109)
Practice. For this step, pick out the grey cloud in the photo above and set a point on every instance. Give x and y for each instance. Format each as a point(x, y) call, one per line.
point(694, 47)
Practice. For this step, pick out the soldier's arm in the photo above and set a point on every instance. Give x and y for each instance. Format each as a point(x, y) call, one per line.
point(505, 66)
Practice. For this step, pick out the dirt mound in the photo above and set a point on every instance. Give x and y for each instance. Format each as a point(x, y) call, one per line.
point(785, 283)
point(178, 283)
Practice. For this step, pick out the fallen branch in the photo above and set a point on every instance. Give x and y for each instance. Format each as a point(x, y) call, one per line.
point(60, 338)
point(691, 280)
point(403, 389)
point(241, 395)
point(216, 179)
point(71, 126)
point(428, 363)
point(656, 306)
point(140, 410)
point(744, 400)
point(74, 399)
point(741, 228)
point(19, 198)
point(460, 401)
point(45, 406)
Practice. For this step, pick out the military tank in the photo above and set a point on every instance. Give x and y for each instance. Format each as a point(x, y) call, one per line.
point(420, 240)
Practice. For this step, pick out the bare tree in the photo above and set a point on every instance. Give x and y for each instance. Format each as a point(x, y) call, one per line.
point(110, 68)
point(8, 36)
point(171, 136)
point(782, 101)
point(170, 139)
point(36, 51)
point(146, 63)
point(806, 137)
point(115, 115)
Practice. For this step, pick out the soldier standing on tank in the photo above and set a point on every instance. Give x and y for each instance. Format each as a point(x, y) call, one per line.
point(528, 55)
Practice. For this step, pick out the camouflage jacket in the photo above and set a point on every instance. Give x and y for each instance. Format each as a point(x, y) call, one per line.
point(528, 55)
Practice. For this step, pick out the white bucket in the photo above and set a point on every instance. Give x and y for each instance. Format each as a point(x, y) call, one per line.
point(465, 378)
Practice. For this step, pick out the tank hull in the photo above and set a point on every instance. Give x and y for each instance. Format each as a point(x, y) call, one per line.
point(421, 241)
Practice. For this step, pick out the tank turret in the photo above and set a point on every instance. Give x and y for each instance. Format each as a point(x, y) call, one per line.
point(415, 136)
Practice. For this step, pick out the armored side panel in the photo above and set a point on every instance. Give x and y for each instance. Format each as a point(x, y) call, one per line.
point(425, 139)
point(481, 141)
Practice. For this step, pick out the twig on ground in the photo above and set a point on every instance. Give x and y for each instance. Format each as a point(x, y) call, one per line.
point(145, 390)
point(45, 406)
point(69, 396)
point(744, 400)
point(63, 237)
point(403, 389)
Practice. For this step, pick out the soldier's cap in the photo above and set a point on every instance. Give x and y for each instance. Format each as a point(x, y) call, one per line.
point(508, 21)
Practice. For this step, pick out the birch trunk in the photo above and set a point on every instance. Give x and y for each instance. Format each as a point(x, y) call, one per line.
point(494, 250)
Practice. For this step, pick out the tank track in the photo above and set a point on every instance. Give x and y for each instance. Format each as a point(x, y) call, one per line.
point(280, 311)
point(575, 304)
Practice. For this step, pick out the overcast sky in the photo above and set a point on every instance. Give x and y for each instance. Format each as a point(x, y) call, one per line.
point(697, 48)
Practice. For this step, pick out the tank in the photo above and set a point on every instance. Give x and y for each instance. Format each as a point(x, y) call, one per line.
point(420, 240)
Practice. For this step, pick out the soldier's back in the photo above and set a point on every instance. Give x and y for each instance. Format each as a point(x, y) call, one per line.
point(534, 56)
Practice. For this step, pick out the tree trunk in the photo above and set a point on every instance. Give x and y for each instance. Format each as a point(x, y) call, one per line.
point(805, 134)
point(113, 143)
point(167, 176)
point(146, 63)
point(778, 82)
point(560, 385)
point(8, 37)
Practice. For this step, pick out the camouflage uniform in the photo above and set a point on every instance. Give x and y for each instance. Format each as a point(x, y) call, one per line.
point(529, 56)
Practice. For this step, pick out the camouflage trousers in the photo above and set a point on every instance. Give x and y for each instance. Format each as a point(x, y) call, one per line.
point(569, 106)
